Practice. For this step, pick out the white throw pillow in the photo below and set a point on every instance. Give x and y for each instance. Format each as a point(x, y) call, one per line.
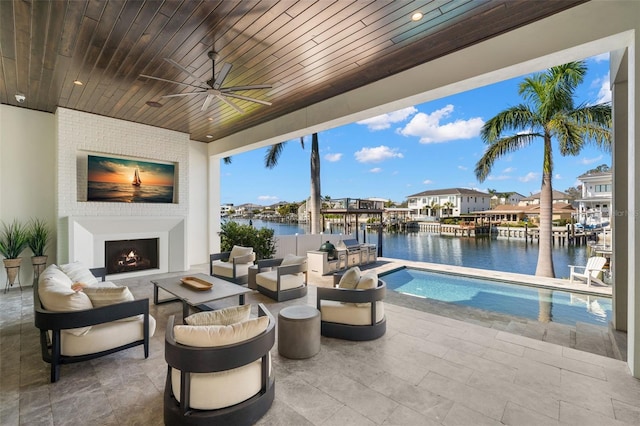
point(292, 259)
point(226, 316)
point(208, 336)
point(104, 296)
point(56, 295)
point(367, 281)
point(350, 278)
point(238, 251)
point(79, 273)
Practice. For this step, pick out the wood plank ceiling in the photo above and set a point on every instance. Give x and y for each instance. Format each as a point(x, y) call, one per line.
point(307, 50)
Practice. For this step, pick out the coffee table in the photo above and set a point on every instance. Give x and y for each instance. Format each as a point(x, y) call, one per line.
point(194, 298)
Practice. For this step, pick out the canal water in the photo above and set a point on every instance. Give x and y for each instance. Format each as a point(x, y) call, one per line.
point(507, 255)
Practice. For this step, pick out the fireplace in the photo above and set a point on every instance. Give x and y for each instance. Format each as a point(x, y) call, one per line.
point(130, 255)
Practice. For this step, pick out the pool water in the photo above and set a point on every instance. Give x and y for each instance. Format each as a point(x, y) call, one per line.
point(512, 299)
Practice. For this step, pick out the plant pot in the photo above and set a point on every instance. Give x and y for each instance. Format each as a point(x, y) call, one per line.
point(39, 264)
point(12, 267)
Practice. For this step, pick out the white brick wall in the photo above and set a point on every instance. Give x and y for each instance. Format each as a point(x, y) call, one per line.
point(79, 134)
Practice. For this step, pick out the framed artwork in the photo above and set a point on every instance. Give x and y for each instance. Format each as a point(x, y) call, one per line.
point(125, 180)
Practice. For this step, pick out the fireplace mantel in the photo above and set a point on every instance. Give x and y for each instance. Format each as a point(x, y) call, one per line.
point(87, 236)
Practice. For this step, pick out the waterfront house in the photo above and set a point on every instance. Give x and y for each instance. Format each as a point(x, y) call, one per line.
point(48, 126)
point(433, 204)
point(506, 198)
point(596, 198)
point(534, 199)
point(511, 213)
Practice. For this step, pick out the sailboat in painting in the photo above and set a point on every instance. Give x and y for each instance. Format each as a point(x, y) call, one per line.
point(136, 178)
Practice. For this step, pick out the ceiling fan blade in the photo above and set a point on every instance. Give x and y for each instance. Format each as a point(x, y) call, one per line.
point(169, 81)
point(226, 67)
point(252, 87)
point(175, 95)
point(183, 69)
point(246, 98)
point(207, 102)
point(231, 104)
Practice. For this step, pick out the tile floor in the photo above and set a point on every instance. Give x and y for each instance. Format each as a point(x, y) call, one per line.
point(427, 370)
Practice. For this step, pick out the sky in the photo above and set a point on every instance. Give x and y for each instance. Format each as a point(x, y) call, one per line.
point(434, 145)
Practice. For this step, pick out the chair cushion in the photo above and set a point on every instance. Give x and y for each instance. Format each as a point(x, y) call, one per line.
point(207, 336)
point(292, 259)
point(226, 316)
point(56, 295)
point(225, 269)
point(237, 251)
point(79, 273)
point(367, 282)
point(105, 336)
point(350, 278)
point(349, 313)
point(269, 280)
point(211, 391)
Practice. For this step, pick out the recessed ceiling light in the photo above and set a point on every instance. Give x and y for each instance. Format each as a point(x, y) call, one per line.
point(209, 136)
point(78, 82)
point(417, 16)
point(153, 104)
point(210, 118)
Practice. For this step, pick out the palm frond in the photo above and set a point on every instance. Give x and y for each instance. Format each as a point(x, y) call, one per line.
point(498, 149)
point(515, 118)
point(273, 155)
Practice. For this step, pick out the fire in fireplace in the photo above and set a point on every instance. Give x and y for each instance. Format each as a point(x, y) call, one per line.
point(131, 255)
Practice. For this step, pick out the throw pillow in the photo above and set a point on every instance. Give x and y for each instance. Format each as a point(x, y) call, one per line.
point(292, 259)
point(350, 278)
point(238, 251)
point(367, 281)
point(226, 316)
point(56, 295)
point(104, 296)
point(208, 336)
point(79, 273)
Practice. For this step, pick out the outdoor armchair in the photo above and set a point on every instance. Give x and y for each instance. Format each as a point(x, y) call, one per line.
point(282, 279)
point(232, 265)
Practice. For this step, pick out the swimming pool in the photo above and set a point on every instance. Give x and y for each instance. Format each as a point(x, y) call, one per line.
point(518, 300)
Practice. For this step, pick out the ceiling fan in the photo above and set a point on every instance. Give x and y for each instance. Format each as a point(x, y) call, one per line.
point(213, 88)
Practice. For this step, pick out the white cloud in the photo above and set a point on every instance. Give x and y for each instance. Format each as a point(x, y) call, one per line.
point(332, 158)
point(384, 121)
point(429, 129)
point(375, 170)
point(509, 170)
point(267, 198)
point(427, 182)
point(588, 161)
point(604, 90)
point(376, 154)
point(557, 176)
point(499, 177)
point(463, 168)
point(601, 57)
point(529, 177)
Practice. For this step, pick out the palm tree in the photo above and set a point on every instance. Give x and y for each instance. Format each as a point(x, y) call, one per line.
point(549, 112)
point(448, 207)
point(433, 208)
point(315, 201)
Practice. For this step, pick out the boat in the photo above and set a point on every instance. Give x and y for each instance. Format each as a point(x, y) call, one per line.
point(136, 178)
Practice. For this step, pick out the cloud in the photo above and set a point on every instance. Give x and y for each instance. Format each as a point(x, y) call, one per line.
point(429, 129)
point(332, 158)
point(463, 168)
point(267, 198)
point(604, 91)
point(375, 170)
point(529, 177)
point(499, 177)
point(384, 121)
point(377, 154)
point(427, 182)
point(588, 161)
point(601, 57)
point(557, 176)
point(509, 170)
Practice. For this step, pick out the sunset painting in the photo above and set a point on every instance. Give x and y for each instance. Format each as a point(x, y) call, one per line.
point(129, 181)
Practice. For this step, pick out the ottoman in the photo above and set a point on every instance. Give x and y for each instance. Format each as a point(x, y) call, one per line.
point(299, 332)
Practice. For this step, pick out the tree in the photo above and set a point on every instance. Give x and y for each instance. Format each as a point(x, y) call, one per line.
point(548, 113)
point(601, 168)
point(271, 160)
point(448, 208)
point(433, 208)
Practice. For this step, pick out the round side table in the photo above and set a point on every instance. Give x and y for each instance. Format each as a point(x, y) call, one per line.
point(299, 332)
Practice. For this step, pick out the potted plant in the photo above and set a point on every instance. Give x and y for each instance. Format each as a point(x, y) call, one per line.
point(38, 236)
point(13, 240)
